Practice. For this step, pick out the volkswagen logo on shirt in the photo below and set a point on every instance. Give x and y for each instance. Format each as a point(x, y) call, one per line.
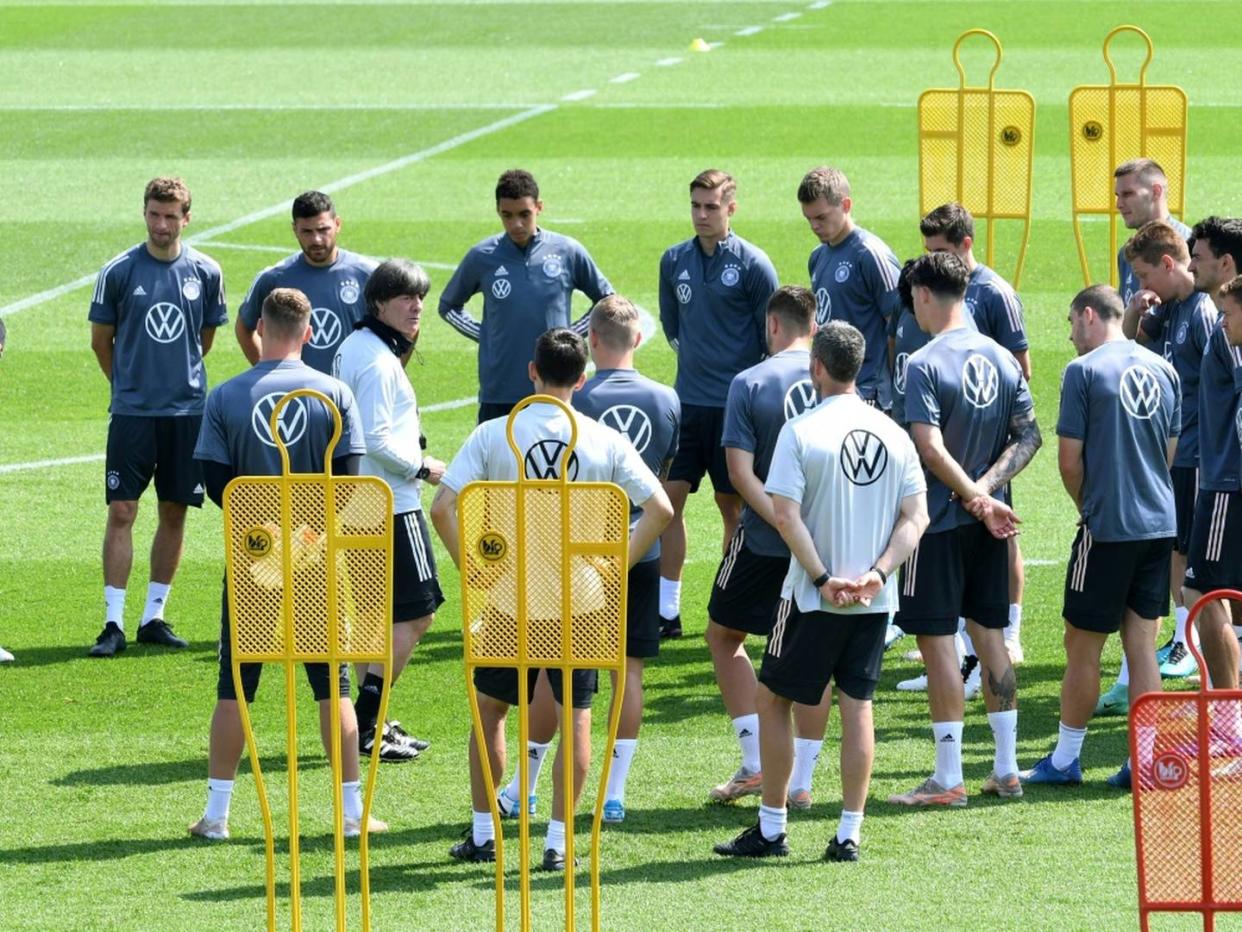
point(292, 422)
point(543, 460)
point(800, 397)
point(899, 372)
point(325, 328)
point(684, 293)
point(1140, 393)
point(842, 274)
point(552, 266)
point(980, 381)
point(631, 421)
point(730, 276)
point(165, 323)
point(501, 288)
point(191, 288)
point(863, 457)
point(823, 306)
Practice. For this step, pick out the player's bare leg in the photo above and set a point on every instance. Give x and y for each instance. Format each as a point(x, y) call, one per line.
point(857, 757)
point(543, 720)
point(562, 808)
point(167, 545)
point(1000, 697)
point(810, 723)
point(397, 744)
point(628, 722)
point(1216, 637)
point(735, 676)
point(673, 559)
point(946, 700)
point(118, 560)
point(729, 505)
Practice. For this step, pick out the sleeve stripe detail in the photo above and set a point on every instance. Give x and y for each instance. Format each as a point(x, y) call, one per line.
point(463, 323)
point(101, 281)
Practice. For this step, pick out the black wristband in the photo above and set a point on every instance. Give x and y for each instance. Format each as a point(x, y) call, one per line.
point(883, 575)
point(818, 582)
point(423, 472)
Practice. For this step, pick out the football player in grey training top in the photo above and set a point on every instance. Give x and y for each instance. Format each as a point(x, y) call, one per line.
point(153, 317)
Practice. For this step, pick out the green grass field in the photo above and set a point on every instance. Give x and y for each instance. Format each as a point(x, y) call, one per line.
point(407, 112)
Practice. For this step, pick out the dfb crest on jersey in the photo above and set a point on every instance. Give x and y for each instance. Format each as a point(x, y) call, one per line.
point(350, 291)
point(684, 293)
point(730, 276)
point(552, 266)
point(799, 398)
point(325, 328)
point(543, 460)
point(823, 306)
point(291, 424)
point(1140, 392)
point(501, 288)
point(980, 381)
point(631, 421)
point(165, 323)
point(863, 457)
point(899, 372)
point(1181, 333)
point(192, 288)
point(842, 273)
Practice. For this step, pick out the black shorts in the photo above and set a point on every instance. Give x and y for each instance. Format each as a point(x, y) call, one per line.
point(642, 611)
point(1104, 578)
point(415, 589)
point(1214, 560)
point(747, 588)
point(1185, 491)
point(163, 447)
point(699, 450)
point(964, 573)
point(501, 684)
point(805, 651)
point(316, 673)
point(490, 410)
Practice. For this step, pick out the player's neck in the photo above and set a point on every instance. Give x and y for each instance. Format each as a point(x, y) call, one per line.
point(831, 388)
point(709, 243)
point(1184, 287)
point(165, 255)
point(613, 361)
point(280, 351)
point(331, 260)
point(783, 341)
point(846, 229)
point(971, 262)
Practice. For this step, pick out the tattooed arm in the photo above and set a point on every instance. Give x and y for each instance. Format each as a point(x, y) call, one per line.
point(1013, 459)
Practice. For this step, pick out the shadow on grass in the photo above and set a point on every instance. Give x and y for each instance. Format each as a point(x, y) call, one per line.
point(200, 651)
point(180, 771)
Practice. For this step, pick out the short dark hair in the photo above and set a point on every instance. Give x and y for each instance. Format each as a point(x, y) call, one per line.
point(285, 312)
point(394, 278)
point(952, 221)
point(826, 182)
point(905, 291)
point(840, 348)
point(167, 190)
point(516, 184)
point(943, 273)
point(1154, 240)
point(714, 178)
point(1103, 299)
point(1232, 289)
point(1223, 235)
point(1148, 170)
point(311, 204)
point(795, 306)
point(560, 357)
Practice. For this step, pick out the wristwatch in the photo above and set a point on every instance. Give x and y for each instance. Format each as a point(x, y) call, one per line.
point(423, 472)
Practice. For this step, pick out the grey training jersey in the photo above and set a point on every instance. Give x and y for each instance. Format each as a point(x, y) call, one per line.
point(236, 429)
point(907, 338)
point(856, 281)
point(971, 389)
point(995, 309)
point(525, 292)
point(1179, 332)
point(714, 312)
point(1220, 381)
point(1127, 281)
point(159, 310)
point(335, 294)
point(1123, 401)
point(645, 412)
point(761, 399)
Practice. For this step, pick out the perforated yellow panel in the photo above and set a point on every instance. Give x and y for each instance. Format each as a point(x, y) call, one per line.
point(976, 145)
point(1113, 123)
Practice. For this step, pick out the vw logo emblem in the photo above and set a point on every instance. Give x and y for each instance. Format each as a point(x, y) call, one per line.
point(980, 381)
point(543, 460)
point(631, 421)
point(684, 294)
point(501, 288)
point(863, 457)
point(325, 328)
point(799, 398)
point(899, 372)
point(823, 306)
point(292, 423)
point(165, 323)
point(1140, 393)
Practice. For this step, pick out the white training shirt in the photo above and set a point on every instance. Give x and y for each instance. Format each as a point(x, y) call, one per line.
point(849, 465)
point(389, 414)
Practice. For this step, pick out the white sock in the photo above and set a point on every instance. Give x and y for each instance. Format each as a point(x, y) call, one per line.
point(772, 822)
point(556, 836)
point(1005, 733)
point(536, 752)
point(670, 597)
point(351, 799)
point(967, 644)
point(1123, 676)
point(850, 826)
point(484, 829)
point(1013, 630)
point(806, 756)
point(1069, 745)
point(1180, 613)
point(948, 737)
point(114, 606)
point(622, 757)
point(219, 795)
point(157, 597)
point(746, 727)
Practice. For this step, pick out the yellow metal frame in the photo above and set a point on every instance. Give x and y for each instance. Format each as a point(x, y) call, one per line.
point(1016, 133)
point(519, 658)
point(1126, 103)
point(339, 595)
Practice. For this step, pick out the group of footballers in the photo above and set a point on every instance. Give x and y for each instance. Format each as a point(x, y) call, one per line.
point(860, 436)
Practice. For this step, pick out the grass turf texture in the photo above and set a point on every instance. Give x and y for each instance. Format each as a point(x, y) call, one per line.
point(104, 762)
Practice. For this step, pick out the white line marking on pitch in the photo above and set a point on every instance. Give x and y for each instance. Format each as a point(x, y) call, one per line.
point(820, 5)
point(625, 78)
point(668, 62)
point(785, 17)
point(44, 464)
point(1042, 562)
point(749, 31)
point(139, 108)
point(581, 95)
point(284, 250)
point(331, 187)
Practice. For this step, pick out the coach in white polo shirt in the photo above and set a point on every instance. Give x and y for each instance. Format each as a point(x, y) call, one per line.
point(851, 502)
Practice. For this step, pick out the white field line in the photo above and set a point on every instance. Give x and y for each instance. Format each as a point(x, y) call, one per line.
point(257, 108)
point(284, 250)
point(749, 31)
point(625, 77)
point(51, 294)
point(668, 62)
point(580, 95)
point(785, 17)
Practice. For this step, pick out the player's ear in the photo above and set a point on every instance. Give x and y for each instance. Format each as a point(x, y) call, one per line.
point(638, 338)
point(258, 328)
point(581, 381)
point(306, 333)
point(731, 208)
point(847, 204)
point(967, 242)
point(538, 206)
point(531, 372)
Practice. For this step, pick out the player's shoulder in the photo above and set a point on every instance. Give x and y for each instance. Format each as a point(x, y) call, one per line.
point(277, 270)
point(1181, 228)
point(349, 259)
point(122, 262)
point(745, 250)
point(486, 247)
point(870, 244)
point(678, 251)
point(201, 261)
point(561, 241)
point(988, 279)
